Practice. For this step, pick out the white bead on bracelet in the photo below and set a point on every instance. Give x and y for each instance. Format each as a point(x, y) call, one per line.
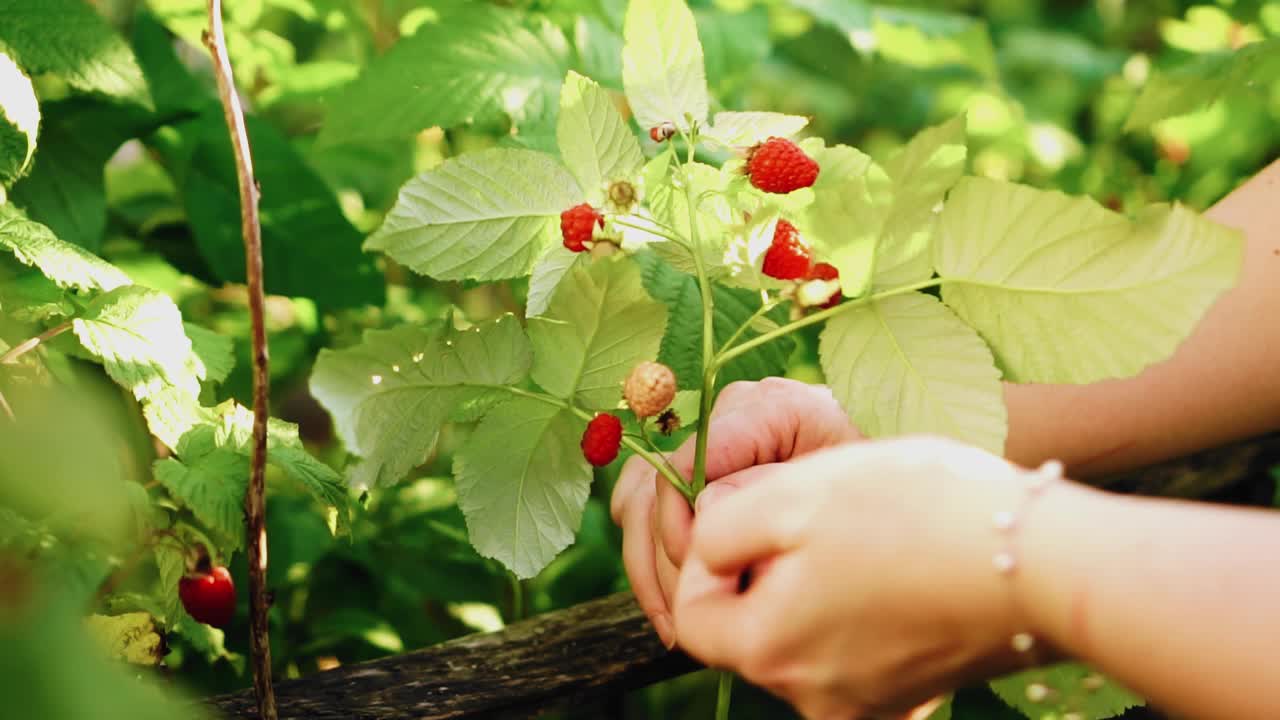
point(1006, 522)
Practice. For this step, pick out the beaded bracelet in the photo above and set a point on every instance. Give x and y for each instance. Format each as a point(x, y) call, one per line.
point(1006, 523)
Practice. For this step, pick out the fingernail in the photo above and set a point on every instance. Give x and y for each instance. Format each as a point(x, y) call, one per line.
point(666, 631)
point(711, 493)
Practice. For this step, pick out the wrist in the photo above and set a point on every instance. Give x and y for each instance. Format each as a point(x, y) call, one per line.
point(1055, 545)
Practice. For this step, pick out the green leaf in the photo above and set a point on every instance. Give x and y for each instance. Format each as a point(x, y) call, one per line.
point(211, 482)
point(547, 274)
point(523, 484)
point(734, 43)
point(662, 65)
point(390, 395)
point(28, 296)
point(473, 63)
point(599, 325)
point(1204, 81)
point(1073, 688)
point(65, 189)
point(486, 215)
point(921, 174)
point(907, 364)
point(595, 142)
point(915, 37)
point(600, 50)
point(323, 482)
point(681, 348)
point(309, 248)
point(1066, 291)
point(65, 264)
point(69, 39)
point(178, 419)
point(743, 129)
point(851, 201)
point(213, 353)
point(933, 39)
point(138, 335)
point(19, 121)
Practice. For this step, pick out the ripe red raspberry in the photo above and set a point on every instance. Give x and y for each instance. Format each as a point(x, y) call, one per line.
point(649, 389)
point(577, 225)
point(823, 273)
point(788, 257)
point(601, 439)
point(779, 166)
point(209, 597)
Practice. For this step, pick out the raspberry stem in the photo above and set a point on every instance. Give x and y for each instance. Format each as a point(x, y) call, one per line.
point(658, 229)
point(708, 330)
point(729, 353)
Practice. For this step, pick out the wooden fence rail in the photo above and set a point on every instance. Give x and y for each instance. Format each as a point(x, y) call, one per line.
point(607, 646)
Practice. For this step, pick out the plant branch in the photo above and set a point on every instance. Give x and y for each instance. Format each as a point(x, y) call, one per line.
point(755, 342)
point(30, 344)
point(658, 229)
point(765, 307)
point(251, 229)
point(708, 332)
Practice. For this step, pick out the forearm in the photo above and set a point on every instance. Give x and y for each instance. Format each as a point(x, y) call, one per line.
point(1219, 386)
point(1176, 600)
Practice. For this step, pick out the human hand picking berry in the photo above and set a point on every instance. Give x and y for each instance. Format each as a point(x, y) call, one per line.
point(769, 421)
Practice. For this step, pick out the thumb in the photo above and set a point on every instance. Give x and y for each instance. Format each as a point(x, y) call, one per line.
point(730, 484)
point(750, 524)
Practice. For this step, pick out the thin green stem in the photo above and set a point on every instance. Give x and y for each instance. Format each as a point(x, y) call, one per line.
point(708, 328)
point(658, 462)
point(644, 432)
point(764, 308)
point(723, 693)
point(755, 342)
point(658, 229)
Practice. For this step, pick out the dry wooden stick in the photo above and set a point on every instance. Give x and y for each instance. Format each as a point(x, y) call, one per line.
point(251, 229)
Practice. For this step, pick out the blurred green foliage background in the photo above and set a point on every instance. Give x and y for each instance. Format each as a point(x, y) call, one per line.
point(1048, 86)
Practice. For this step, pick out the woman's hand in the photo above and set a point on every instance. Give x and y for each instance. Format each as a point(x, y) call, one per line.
point(871, 586)
point(770, 421)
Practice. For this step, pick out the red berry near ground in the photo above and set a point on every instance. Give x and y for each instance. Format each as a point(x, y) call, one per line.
point(601, 439)
point(787, 257)
point(649, 389)
point(209, 597)
point(826, 272)
point(577, 225)
point(778, 165)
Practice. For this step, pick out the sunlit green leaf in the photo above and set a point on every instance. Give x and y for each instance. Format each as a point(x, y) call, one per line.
point(907, 364)
point(19, 121)
point(662, 66)
point(486, 215)
point(595, 143)
point(138, 335)
point(68, 38)
point(390, 395)
point(599, 325)
point(523, 483)
point(67, 265)
point(1065, 291)
point(1253, 68)
point(474, 62)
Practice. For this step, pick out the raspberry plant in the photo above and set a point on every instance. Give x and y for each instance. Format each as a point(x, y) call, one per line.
point(947, 284)
point(926, 287)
